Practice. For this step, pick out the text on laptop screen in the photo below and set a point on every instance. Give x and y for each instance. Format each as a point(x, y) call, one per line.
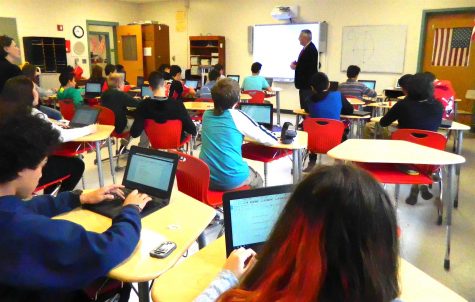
point(260, 114)
point(252, 219)
point(151, 171)
point(93, 88)
point(191, 83)
point(146, 91)
point(369, 84)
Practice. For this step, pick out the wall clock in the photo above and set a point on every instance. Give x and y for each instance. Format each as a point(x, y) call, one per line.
point(78, 31)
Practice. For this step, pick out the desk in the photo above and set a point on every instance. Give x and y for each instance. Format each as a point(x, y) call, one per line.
point(201, 268)
point(245, 97)
point(356, 102)
point(182, 221)
point(198, 105)
point(103, 133)
point(403, 152)
point(300, 142)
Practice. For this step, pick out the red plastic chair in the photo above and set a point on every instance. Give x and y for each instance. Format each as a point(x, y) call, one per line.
point(67, 109)
point(263, 154)
point(390, 173)
point(323, 134)
point(257, 96)
point(107, 117)
point(56, 183)
point(166, 136)
point(193, 179)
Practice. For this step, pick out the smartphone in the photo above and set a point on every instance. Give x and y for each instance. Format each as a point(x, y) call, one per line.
point(163, 250)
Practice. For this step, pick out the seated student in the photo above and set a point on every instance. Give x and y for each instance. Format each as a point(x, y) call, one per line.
point(30, 71)
point(120, 69)
point(324, 104)
point(205, 91)
point(68, 89)
point(118, 101)
point(354, 88)
point(445, 94)
point(177, 90)
point(9, 56)
point(160, 108)
point(220, 69)
point(335, 240)
point(164, 69)
point(255, 82)
point(108, 70)
point(223, 132)
point(96, 75)
point(19, 97)
point(370, 127)
point(44, 259)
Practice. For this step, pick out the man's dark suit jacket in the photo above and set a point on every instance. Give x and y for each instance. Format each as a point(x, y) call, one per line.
point(307, 66)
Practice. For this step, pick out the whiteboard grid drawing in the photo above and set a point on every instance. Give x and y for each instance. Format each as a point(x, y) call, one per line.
point(276, 46)
point(374, 48)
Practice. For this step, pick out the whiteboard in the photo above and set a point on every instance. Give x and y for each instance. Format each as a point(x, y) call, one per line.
point(276, 46)
point(379, 48)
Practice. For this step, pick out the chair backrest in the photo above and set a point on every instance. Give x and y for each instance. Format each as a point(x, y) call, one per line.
point(67, 109)
point(165, 135)
point(422, 137)
point(106, 116)
point(323, 134)
point(192, 176)
point(257, 96)
point(204, 100)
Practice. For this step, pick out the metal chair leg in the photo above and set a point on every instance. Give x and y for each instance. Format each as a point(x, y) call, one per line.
point(438, 200)
point(396, 194)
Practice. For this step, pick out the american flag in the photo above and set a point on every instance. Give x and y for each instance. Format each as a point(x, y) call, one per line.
point(451, 46)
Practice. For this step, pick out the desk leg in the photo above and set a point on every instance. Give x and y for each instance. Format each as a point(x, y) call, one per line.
point(448, 200)
point(99, 164)
point(297, 121)
point(111, 159)
point(300, 166)
point(458, 150)
point(295, 165)
point(277, 100)
point(143, 292)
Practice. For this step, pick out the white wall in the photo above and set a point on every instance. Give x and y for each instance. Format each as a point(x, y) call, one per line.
point(39, 18)
point(231, 19)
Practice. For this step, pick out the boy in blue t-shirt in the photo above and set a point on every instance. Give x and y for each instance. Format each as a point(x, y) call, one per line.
point(255, 82)
point(223, 133)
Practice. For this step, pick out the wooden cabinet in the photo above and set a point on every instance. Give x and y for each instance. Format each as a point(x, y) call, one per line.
point(49, 54)
point(206, 51)
point(156, 44)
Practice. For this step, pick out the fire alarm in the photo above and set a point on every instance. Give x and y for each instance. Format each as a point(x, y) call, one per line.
point(59, 27)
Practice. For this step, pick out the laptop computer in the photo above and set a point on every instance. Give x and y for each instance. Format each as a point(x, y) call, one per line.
point(140, 81)
point(84, 116)
point(361, 113)
point(261, 114)
point(145, 92)
point(369, 83)
point(250, 215)
point(149, 171)
point(270, 81)
point(333, 86)
point(191, 83)
point(234, 77)
point(93, 90)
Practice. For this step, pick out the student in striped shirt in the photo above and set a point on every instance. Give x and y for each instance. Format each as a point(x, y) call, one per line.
point(354, 88)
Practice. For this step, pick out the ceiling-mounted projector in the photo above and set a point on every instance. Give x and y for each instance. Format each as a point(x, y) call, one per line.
point(284, 12)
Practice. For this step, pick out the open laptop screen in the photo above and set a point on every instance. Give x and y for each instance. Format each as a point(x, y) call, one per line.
point(150, 171)
point(261, 113)
point(93, 88)
point(85, 116)
point(233, 77)
point(191, 83)
point(145, 91)
point(369, 83)
point(250, 215)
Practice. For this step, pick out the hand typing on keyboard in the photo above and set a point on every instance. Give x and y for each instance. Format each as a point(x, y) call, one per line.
point(137, 199)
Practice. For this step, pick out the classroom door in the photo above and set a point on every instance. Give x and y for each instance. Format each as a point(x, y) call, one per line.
point(129, 50)
point(450, 54)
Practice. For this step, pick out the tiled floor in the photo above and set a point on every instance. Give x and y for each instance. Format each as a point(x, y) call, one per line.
point(422, 241)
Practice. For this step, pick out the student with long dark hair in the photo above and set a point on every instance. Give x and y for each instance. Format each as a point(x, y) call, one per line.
point(335, 240)
point(9, 57)
point(19, 98)
point(96, 75)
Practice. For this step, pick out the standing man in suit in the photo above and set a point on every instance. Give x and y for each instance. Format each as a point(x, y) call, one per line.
point(306, 66)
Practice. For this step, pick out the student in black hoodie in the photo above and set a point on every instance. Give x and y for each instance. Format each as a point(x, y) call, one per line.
point(161, 109)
